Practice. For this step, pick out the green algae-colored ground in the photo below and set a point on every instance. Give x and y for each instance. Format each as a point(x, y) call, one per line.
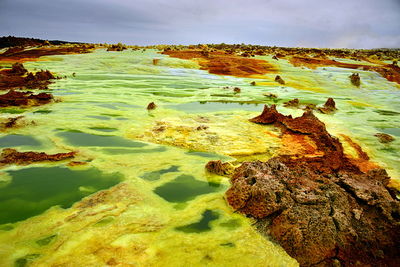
point(167, 211)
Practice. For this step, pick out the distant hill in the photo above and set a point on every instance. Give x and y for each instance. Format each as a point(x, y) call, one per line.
point(10, 41)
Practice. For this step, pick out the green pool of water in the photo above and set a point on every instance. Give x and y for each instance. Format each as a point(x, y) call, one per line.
point(184, 188)
point(33, 190)
point(104, 129)
point(77, 138)
point(155, 175)
point(13, 140)
point(201, 226)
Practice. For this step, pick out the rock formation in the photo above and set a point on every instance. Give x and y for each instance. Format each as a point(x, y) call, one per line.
point(384, 138)
point(15, 78)
point(12, 156)
point(17, 98)
point(279, 80)
point(323, 210)
point(151, 106)
point(355, 79)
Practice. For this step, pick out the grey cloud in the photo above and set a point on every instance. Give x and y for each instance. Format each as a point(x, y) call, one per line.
point(323, 23)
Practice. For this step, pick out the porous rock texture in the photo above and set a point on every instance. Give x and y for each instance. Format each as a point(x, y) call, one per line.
point(324, 211)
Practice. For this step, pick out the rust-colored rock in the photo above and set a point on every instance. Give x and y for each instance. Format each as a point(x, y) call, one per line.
point(320, 218)
point(17, 98)
point(388, 71)
point(11, 122)
point(151, 106)
point(219, 62)
point(21, 54)
point(117, 47)
point(268, 116)
point(384, 138)
point(14, 78)
point(329, 106)
point(270, 95)
point(323, 210)
point(155, 61)
point(236, 90)
point(77, 163)
point(279, 80)
point(355, 79)
point(292, 103)
point(309, 125)
point(12, 156)
point(218, 167)
point(18, 69)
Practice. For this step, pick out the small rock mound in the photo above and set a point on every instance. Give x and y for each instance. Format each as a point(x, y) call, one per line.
point(355, 79)
point(384, 138)
point(279, 80)
point(329, 106)
point(151, 106)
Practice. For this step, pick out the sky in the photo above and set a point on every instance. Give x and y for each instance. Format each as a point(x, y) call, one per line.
point(292, 23)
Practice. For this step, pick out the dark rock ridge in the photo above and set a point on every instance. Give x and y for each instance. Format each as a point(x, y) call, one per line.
point(10, 41)
point(323, 210)
point(12, 156)
point(17, 98)
point(15, 78)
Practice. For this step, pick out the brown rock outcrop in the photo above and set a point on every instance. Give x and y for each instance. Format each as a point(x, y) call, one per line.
point(328, 107)
point(14, 78)
point(384, 138)
point(218, 62)
point(151, 106)
point(218, 167)
point(292, 103)
point(279, 80)
point(12, 156)
point(355, 79)
point(18, 69)
point(21, 54)
point(16, 98)
point(320, 218)
point(323, 210)
point(10, 122)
